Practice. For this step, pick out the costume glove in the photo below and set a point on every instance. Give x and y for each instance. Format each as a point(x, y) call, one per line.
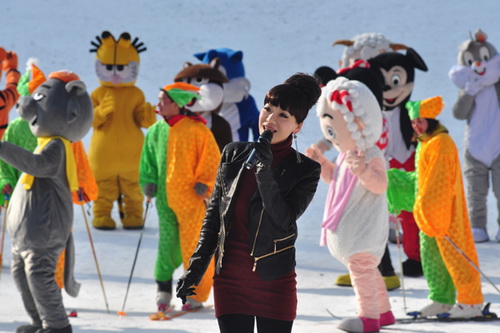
point(201, 189)
point(150, 190)
point(3, 54)
point(10, 61)
point(185, 288)
point(107, 105)
point(356, 162)
point(316, 154)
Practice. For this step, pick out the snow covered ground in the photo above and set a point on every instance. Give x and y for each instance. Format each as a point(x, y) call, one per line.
point(278, 38)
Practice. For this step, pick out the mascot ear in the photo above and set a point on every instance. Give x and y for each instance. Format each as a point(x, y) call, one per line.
point(237, 55)
point(76, 88)
point(214, 63)
point(416, 60)
point(325, 74)
point(200, 55)
point(73, 111)
point(187, 64)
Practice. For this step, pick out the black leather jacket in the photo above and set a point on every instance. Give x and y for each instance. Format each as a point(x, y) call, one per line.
point(282, 196)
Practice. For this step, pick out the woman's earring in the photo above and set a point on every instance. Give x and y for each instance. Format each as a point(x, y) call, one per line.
point(299, 159)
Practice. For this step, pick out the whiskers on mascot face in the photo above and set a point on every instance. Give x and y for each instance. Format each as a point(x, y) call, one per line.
point(40, 214)
point(116, 145)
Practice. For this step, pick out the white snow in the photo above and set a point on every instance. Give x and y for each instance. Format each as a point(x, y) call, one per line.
point(278, 38)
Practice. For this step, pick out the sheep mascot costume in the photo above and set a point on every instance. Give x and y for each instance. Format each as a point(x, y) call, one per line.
point(355, 220)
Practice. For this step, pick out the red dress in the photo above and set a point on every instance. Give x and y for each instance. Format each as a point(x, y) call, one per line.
point(239, 290)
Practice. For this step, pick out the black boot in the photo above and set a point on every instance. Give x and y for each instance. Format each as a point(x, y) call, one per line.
point(66, 329)
point(27, 329)
point(412, 268)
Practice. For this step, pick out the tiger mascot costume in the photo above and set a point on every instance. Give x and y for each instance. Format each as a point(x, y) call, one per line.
point(8, 96)
point(120, 110)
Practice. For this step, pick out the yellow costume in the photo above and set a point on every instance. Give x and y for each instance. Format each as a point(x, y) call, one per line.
point(192, 157)
point(120, 110)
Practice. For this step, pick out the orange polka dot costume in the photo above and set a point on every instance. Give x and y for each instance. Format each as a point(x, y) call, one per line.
point(440, 210)
point(120, 111)
point(192, 157)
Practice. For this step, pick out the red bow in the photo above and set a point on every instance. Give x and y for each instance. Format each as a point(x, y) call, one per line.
point(342, 97)
point(358, 63)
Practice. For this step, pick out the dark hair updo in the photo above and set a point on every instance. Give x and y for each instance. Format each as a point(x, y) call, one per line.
point(296, 95)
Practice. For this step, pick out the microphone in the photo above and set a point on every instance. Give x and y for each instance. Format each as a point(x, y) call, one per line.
point(265, 137)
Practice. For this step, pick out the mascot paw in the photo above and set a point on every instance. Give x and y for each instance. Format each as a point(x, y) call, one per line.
point(132, 222)
point(104, 223)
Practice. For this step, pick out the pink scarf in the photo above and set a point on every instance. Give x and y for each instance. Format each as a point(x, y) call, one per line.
point(336, 202)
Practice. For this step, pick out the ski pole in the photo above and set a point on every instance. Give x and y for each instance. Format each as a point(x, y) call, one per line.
point(122, 312)
point(398, 242)
point(80, 197)
point(4, 226)
point(470, 262)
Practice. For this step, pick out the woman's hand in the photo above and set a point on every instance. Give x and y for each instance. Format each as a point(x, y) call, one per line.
point(264, 155)
point(185, 288)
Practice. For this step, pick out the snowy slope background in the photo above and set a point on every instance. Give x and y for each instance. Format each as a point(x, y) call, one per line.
point(278, 38)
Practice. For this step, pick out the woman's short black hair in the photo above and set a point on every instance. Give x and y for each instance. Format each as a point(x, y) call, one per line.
point(432, 125)
point(296, 95)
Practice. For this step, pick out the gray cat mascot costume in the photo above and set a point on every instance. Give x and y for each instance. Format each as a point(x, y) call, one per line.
point(40, 214)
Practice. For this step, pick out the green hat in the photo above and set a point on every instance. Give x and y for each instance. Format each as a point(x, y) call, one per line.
point(427, 108)
point(181, 93)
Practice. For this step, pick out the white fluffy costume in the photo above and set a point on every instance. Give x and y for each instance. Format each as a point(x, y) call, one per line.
point(355, 220)
point(116, 145)
point(40, 214)
point(477, 76)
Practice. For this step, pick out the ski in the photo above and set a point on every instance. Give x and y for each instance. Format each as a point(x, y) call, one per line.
point(160, 315)
point(414, 317)
point(175, 314)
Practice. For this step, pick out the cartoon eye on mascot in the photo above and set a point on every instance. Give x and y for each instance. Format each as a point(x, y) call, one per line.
point(120, 111)
point(477, 77)
point(40, 213)
point(238, 107)
point(211, 82)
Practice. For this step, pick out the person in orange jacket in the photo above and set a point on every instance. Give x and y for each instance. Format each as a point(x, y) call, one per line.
point(192, 160)
point(441, 214)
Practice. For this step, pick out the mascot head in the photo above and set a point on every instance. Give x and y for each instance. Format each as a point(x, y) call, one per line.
point(117, 61)
point(231, 65)
point(209, 79)
point(476, 52)
point(398, 70)
point(60, 106)
point(365, 46)
point(478, 65)
point(350, 116)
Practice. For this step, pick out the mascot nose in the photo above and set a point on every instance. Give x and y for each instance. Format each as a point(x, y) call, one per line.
point(387, 88)
point(478, 63)
point(26, 107)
